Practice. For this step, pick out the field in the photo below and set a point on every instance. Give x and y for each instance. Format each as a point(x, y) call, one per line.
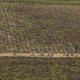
point(22, 68)
point(39, 28)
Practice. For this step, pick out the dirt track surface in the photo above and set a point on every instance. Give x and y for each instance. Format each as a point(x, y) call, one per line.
point(55, 55)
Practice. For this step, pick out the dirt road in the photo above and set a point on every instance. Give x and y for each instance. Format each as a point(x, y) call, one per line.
point(55, 55)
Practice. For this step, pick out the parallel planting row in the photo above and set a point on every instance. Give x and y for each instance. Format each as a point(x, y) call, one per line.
point(45, 1)
point(22, 68)
point(39, 28)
